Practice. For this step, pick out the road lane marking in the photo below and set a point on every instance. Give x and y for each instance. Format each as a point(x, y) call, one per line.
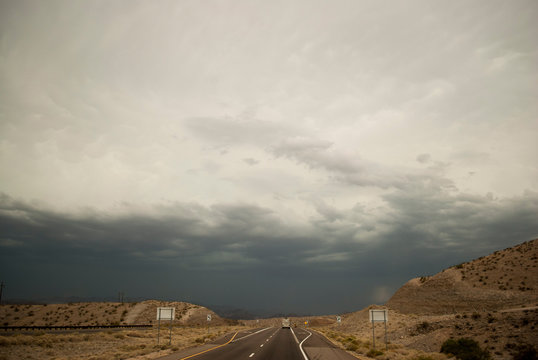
point(293, 332)
point(259, 331)
point(251, 355)
point(213, 348)
point(261, 345)
point(301, 344)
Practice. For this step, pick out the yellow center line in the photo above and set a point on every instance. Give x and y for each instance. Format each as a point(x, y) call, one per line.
point(216, 347)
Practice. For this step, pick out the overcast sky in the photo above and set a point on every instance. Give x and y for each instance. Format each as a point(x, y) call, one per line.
point(306, 156)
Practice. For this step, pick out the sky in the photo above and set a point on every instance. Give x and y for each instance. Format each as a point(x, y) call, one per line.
point(292, 156)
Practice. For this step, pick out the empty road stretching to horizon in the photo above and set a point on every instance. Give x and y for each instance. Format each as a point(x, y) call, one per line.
point(266, 344)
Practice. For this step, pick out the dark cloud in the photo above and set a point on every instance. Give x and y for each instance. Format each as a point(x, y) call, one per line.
point(185, 245)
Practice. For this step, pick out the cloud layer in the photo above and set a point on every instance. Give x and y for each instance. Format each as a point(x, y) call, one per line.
point(229, 149)
point(191, 244)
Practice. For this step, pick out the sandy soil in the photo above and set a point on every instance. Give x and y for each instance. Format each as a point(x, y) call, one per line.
point(104, 345)
point(135, 312)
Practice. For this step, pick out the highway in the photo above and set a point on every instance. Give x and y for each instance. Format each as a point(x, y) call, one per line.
point(266, 344)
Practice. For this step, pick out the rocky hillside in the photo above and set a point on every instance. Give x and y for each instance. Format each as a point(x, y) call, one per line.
point(493, 300)
point(103, 313)
point(505, 279)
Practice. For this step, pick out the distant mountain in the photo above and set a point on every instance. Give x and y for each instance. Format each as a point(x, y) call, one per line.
point(230, 312)
point(287, 315)
point(504, 279)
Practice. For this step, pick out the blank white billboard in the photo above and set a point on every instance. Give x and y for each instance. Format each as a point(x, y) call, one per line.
point(379, 315)
point(166, 313)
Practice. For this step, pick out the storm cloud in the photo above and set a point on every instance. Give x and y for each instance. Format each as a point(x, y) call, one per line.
point(188, 242)
point(230, 152)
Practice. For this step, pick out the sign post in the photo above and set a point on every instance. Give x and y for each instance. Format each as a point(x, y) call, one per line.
point(379, 316)
point(338, 320)
point(208, 321)
point(165, 313)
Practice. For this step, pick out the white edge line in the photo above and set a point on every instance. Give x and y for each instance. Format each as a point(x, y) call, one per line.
point(259, 331)
point(301, 344)
point(293, 332)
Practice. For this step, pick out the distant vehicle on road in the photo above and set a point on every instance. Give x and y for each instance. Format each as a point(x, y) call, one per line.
point(286, 323)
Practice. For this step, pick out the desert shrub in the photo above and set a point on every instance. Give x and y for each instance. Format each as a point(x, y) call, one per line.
point(465, 349)
point(47, 343)
point(525, 352)
point(423, 327)
point(373, 353)
point(351, 347)
point(475, 316)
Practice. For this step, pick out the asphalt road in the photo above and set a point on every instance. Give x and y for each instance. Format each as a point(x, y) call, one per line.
point(266, 344)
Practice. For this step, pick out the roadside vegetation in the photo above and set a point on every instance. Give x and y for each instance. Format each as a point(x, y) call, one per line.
point(105, 345)
point(465, 349)
point(364, 347)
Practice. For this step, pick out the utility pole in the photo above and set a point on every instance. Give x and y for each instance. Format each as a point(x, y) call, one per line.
point(2, 286)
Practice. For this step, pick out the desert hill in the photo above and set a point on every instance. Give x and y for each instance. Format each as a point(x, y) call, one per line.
point(103, 313)
point(493, 299)
point(502, 280)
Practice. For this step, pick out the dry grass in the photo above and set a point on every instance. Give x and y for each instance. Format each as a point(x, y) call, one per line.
point(503, 279)
point(421, 335)
point(364, 346)
point(65, 314)
point(104, 345)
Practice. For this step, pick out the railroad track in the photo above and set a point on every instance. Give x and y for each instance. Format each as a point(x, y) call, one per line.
point(72, 327)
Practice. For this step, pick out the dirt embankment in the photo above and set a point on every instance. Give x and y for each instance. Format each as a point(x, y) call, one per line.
point(504, 279)
point(493, 300)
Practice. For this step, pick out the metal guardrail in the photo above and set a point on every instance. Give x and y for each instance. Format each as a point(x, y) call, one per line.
point(72, 327)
